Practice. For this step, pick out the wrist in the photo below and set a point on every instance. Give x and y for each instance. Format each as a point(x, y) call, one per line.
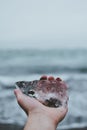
point(40, 121)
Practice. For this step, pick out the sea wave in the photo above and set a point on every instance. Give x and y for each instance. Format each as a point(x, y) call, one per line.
point(70, 65)
point(40, 69)
point(16, 62)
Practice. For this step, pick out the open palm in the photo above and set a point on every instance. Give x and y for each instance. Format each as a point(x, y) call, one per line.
point(31, 105)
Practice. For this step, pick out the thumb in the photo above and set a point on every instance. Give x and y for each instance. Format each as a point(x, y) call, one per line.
point(27, 103)
point(22, 99)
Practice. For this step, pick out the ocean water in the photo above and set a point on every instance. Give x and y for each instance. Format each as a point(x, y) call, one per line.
point(30, 64)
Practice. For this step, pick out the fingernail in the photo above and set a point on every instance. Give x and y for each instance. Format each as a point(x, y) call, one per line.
point(44, 77)
point(51, 78)
point(58, 79)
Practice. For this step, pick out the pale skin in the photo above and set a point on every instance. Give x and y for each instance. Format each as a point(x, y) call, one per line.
point(40, 117)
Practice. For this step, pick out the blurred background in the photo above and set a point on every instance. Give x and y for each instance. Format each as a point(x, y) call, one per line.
point(38, 38)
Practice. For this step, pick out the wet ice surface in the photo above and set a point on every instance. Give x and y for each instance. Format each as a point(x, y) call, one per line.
point(52, 93)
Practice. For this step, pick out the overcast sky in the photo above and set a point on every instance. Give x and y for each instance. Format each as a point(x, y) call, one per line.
point(43, 23)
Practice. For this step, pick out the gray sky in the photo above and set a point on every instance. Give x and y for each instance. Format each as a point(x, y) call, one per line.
point(43, 23)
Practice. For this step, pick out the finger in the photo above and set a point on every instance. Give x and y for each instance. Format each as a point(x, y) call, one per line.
point(44, 77)
point(51, 78)
point(26, 102)
point(21, 99)
point(58, 79)
point(17, 92)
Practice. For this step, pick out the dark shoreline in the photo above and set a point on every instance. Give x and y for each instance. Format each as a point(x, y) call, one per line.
point(11, 127)
point(20, 127)
point(85, 128)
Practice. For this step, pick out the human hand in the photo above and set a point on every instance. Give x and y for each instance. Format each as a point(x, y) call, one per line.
point(34, 108)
